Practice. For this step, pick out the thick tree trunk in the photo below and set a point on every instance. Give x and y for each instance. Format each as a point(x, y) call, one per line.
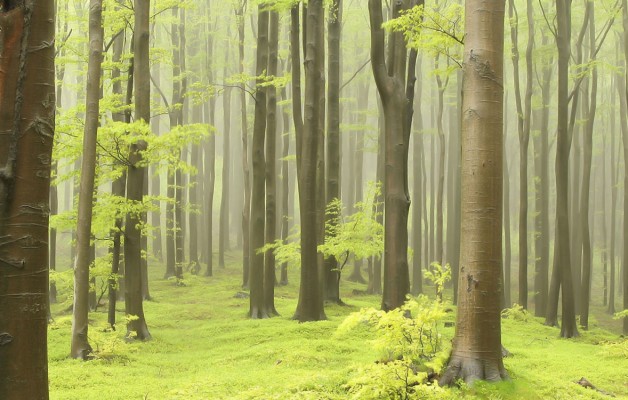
point(256, 272)
point(27, 117)
point(477, 350)
point(80, 325)
point(390, 77)
point(506, 224)
point(136, 327)
point(310, 304)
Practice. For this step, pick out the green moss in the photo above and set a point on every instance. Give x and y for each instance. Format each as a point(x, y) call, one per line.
point(204, 347)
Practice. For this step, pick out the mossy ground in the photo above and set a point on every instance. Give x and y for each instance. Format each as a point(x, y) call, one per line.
point(204, 347)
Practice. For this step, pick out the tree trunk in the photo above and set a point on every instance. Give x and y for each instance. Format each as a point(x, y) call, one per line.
point(136, 327)
point(542, 184)
point(562, 262)
point(27, 117)
point(246, 209)
point(256, 272)
point(271, 167)
point(80, 325)
point(332, 275)
point(417, 193)
point(591, 107)
point(625, 143)
point(390, 77)
point(310, 304)
point(506, 222)
point(223, 237)
point(285, 185)
point(477, 350)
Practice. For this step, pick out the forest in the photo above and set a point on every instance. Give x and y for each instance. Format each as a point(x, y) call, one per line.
point(313, 199)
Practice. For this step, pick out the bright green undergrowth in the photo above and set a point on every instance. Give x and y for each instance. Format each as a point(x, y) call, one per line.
point(204, 347)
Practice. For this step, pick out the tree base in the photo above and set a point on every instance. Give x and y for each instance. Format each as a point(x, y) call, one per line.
point(470, 370)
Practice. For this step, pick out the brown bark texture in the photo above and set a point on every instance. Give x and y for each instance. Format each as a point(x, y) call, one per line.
point(390, 77)
point(256, 238)
point(476, 353)
point(136, 326)
point(310, 304)
point(27, 112)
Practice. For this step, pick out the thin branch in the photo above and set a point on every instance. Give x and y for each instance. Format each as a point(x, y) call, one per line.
point(355, 74)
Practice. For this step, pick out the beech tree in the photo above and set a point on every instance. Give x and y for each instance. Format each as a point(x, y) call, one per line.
point(136, 325)
point(27, 114)
point(80, 343)
point(310, 304)
point(477, 351)
point(390, 77)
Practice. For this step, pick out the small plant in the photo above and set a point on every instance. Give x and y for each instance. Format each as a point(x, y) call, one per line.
point(412, 351)
point(516, 313)
point(439, 275)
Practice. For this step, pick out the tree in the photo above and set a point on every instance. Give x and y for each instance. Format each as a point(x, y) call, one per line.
point(390, 77)
point(136, 325)
point(80, 325)
point(27, 113)
point(256, 238)
point(310, 304)
point(562, 275)
point(332, 289)
point(625, 143)
point(524, 113)
point(271, 164)
point(476, 350)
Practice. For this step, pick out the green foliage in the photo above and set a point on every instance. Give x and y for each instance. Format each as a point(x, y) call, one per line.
point(439, 276)
point(517, 312)
point(621, 314)
point(410, 349)
point(434, 29)
point(359, 234)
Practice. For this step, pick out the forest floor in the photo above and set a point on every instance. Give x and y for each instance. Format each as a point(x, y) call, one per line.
point(204, 347)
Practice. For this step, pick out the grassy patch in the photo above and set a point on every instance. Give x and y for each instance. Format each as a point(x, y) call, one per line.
point(204, 347)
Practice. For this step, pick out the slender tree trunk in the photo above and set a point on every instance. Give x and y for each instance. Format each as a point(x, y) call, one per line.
point(256, 272)
point(27, 92)
point(358, 168)
point(271, 167)
point(135, 176)
point(477, 350)
point(417, 193)
point(223, 238)
point(332, 275)
point(562, 263)
point(246, 210)
point(440, 199)
point(591, 107)
point(80, 325)
point(285, 184)
point(625, 143)
point(542, 185)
